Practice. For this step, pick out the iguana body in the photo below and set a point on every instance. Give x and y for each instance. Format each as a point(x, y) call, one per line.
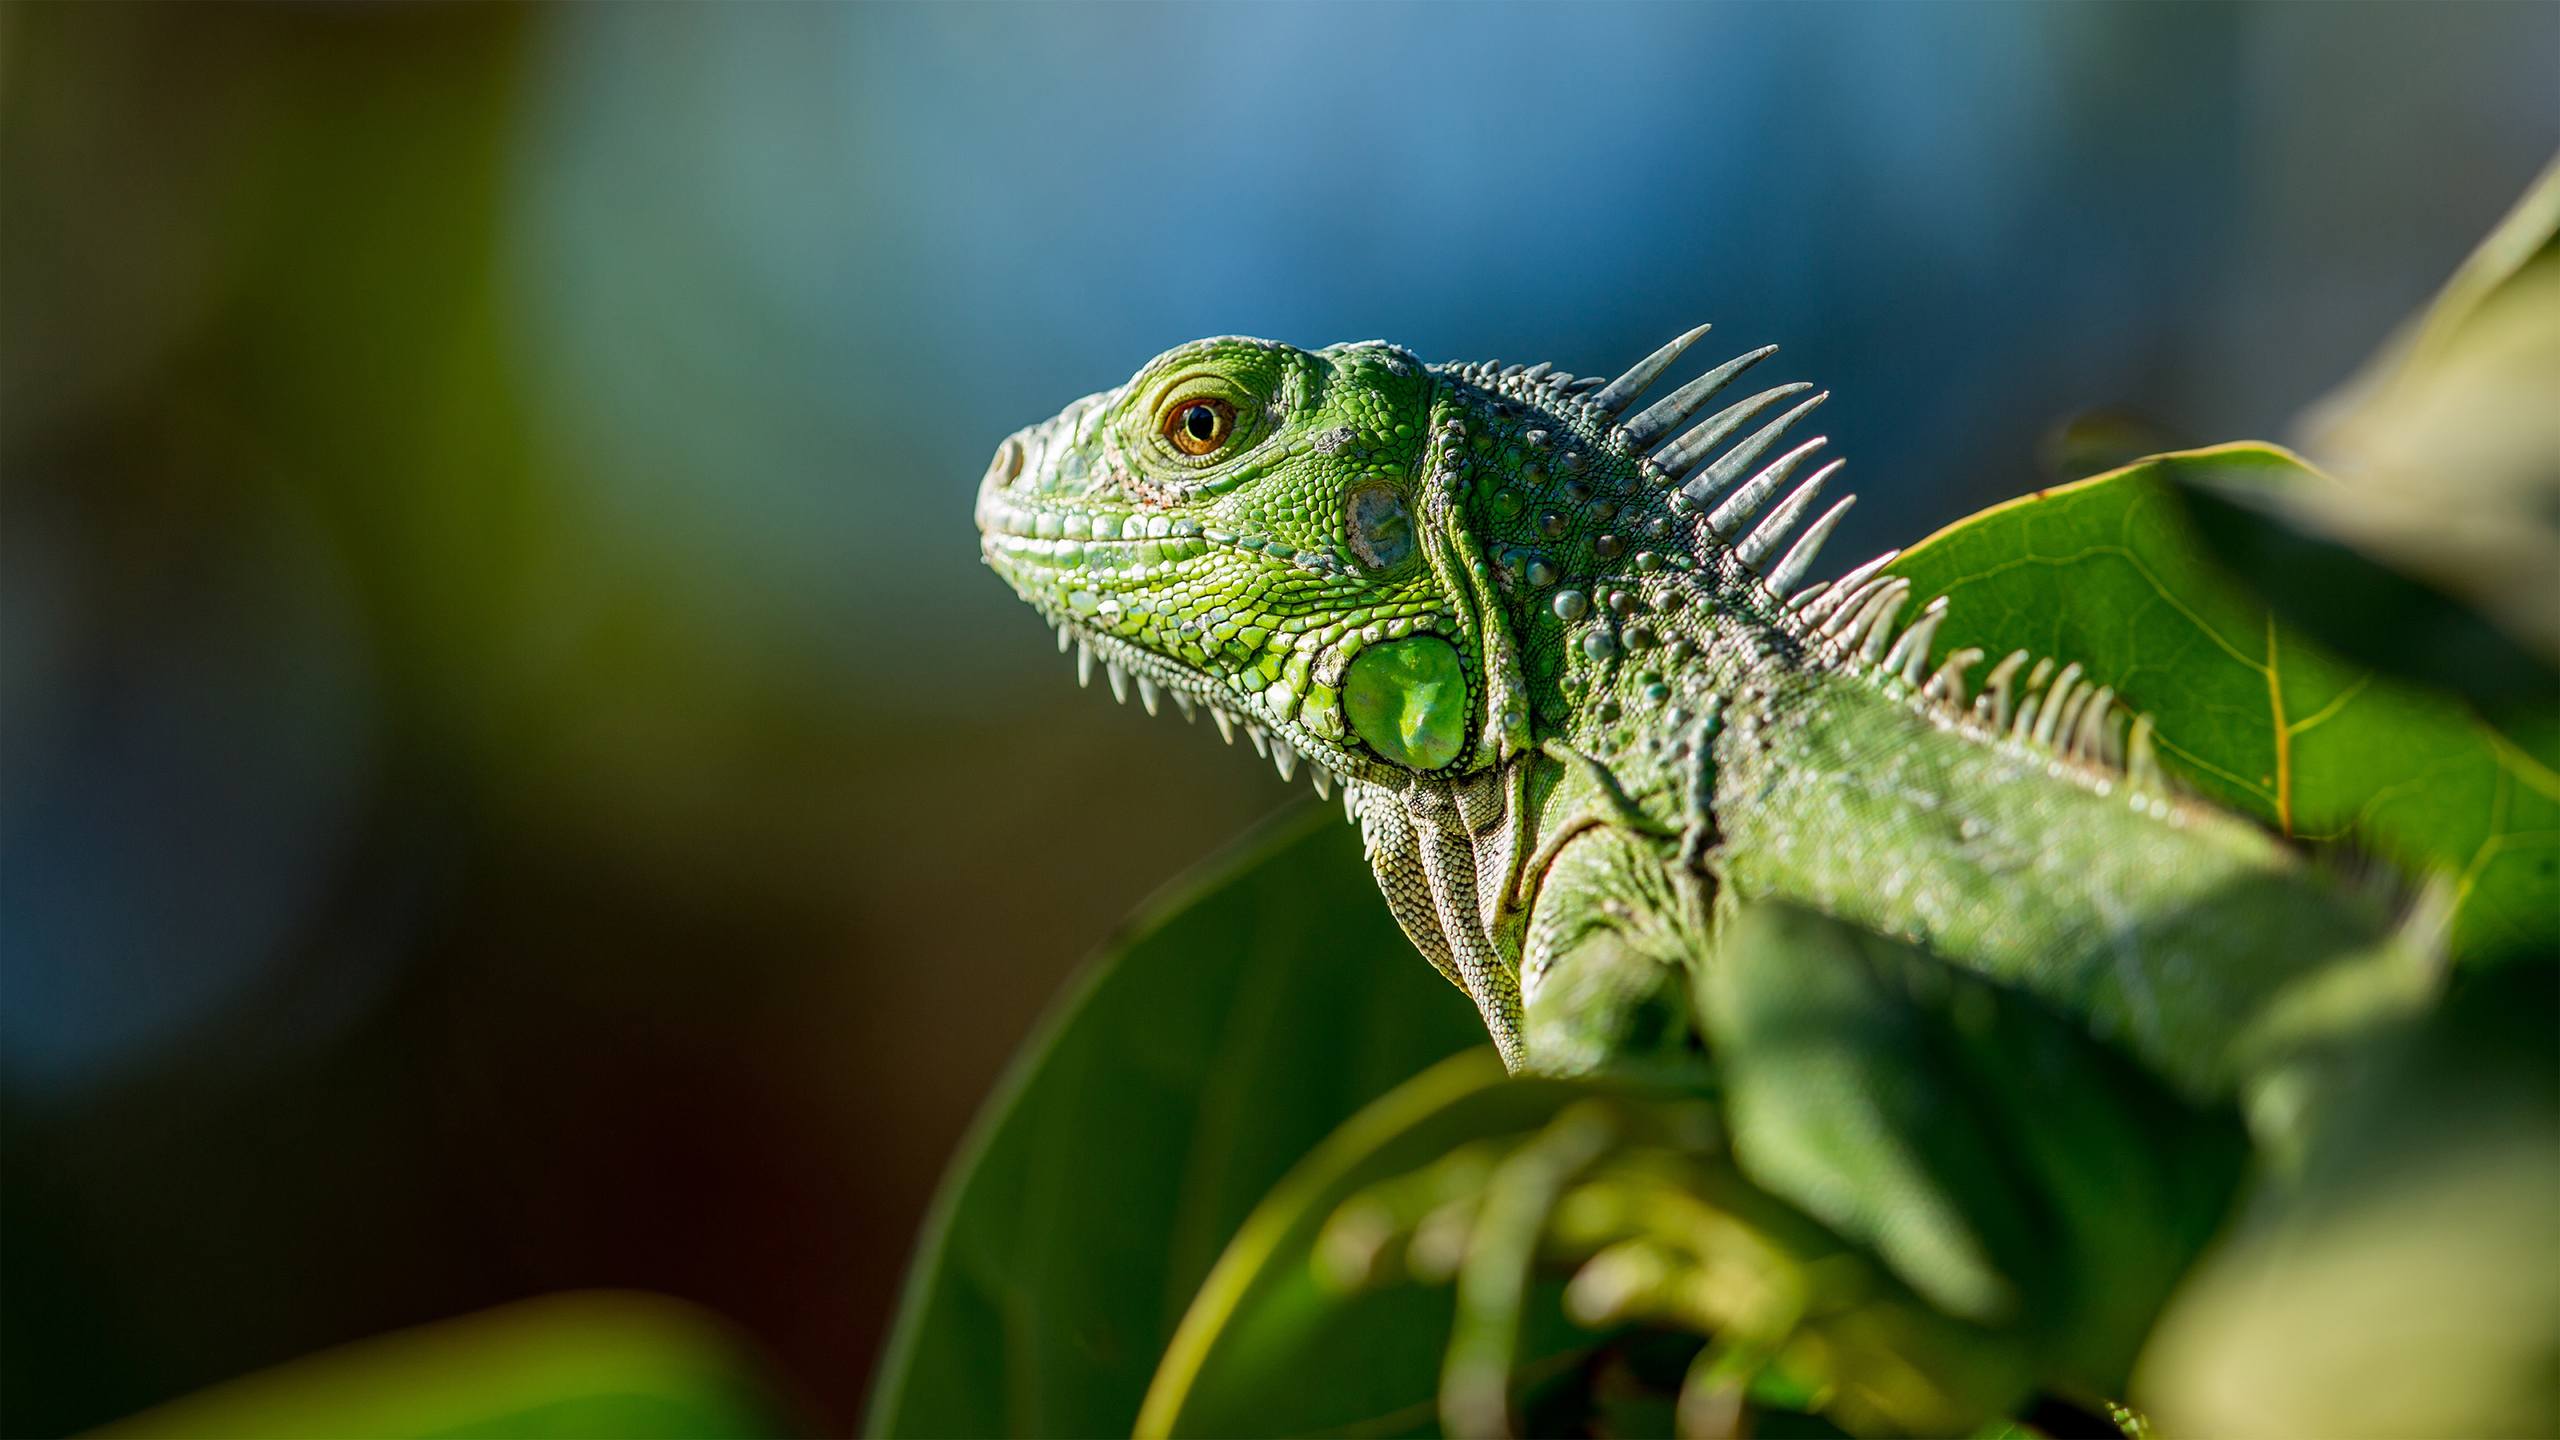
point(1575, 695)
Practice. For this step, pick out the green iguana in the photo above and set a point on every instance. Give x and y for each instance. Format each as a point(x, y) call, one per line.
point(1558, 650)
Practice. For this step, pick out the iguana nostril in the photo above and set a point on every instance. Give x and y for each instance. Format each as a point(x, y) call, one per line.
point(1007, 466)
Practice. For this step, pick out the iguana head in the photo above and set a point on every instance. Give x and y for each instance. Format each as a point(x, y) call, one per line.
point(1238, 527)
point(1382, 567)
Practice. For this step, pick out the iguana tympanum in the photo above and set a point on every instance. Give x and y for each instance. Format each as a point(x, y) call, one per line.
point(1556, 647)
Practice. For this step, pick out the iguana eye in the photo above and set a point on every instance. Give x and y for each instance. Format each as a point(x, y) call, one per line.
point(1197, 427)
point(1381, 528)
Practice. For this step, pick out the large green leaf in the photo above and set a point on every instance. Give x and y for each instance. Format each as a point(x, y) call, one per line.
point(1246, 1016)
point(613, 1366)
point(2250, 714)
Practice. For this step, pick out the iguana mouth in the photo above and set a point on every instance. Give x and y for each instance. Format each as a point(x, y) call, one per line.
point(1046, 536)
point(1128, 668)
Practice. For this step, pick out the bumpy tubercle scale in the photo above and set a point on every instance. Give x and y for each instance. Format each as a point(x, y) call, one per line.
point(1654, 715)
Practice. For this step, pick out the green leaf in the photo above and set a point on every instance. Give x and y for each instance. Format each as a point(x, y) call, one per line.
point(615, 1366)
point(2250, 714)
point(1270, 1348)
point(1244, 1018)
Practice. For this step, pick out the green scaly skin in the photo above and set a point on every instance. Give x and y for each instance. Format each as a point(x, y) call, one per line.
point(1573, 711)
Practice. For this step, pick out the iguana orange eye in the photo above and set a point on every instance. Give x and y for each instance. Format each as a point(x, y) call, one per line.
point(1197, 427)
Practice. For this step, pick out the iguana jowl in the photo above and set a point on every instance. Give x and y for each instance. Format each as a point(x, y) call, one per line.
point(1554, 644)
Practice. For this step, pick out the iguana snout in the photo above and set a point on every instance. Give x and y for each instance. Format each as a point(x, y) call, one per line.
point(1041, 465)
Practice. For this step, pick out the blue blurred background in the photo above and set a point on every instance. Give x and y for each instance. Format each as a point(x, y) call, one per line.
point(514, 778)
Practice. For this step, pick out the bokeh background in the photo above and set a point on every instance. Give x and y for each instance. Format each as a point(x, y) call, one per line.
point(514, 777)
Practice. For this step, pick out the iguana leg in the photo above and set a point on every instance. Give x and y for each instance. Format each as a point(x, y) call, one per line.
point(1605, 964)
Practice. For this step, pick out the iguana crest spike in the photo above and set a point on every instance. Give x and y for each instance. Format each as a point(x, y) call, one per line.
point(1725, 469)
point(1621, 392)
point(1774, 526)
point(1686, 452)
point(1746, 501)
point(1800, 556)
point(1673, 410)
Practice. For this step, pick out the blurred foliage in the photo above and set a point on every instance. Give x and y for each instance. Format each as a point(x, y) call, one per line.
point(1271, 1315)
point(2251, 714)
point(1247, 1014)
point(2093, 442)
point(2003, 1162)
point(593, 1366)
point(2449, 446)
point(2050, 1187)
point(2403, 1283)
point(2074, 1188)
